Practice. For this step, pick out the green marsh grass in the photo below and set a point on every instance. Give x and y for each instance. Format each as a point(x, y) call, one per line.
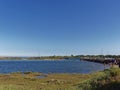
point(103, 80)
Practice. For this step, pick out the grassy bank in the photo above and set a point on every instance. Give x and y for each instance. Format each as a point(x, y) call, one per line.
point(105, 80)
point(30, 81)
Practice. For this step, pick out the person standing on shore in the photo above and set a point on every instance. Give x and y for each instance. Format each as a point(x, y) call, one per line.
point(113, 62)
point(105, 64)
point(119, 64)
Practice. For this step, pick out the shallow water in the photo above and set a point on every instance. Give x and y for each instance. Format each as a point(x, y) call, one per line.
point(49, 66)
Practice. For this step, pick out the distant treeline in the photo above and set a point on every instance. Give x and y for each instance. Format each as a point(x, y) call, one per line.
point(60, 57)
point(50, 57)
point(99, 56)
point(76, 56)
point(10, 58)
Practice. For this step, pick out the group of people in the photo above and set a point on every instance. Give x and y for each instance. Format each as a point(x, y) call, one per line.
point(112, 63)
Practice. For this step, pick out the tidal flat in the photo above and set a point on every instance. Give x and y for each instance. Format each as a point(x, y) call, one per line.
point(108, 79)
point(31, 81)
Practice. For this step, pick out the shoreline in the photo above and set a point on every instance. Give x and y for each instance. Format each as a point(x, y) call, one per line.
point(39, 81)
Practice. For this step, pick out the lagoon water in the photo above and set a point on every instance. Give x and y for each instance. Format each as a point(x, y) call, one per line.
point(49, 66)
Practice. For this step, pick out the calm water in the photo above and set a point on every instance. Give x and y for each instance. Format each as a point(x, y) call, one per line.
point(47, 66)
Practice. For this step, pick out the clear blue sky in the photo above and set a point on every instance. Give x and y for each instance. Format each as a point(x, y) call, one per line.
point(59, 27)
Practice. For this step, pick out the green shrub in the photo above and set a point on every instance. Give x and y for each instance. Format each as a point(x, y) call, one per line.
point(99, 81)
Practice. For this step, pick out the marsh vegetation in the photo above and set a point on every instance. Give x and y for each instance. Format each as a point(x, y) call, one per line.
point(104, 80)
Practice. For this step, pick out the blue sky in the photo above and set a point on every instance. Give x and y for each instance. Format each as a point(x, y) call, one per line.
point(59, 27)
